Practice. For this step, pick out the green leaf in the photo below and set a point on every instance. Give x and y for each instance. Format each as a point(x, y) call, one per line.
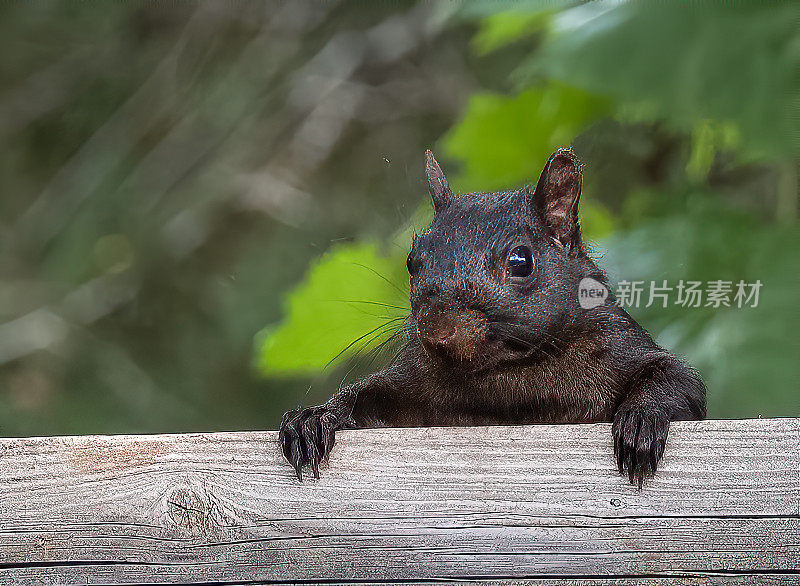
point(505, 141)
point(354, 294)
point(503, 28)
point(708, 138)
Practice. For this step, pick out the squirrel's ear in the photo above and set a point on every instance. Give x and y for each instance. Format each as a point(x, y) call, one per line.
point(557, 194)
point(437, 183)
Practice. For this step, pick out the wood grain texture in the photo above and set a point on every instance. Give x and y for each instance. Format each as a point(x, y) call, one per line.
point(523, 502)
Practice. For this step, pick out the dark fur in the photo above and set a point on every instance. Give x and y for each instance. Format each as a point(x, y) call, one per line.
point(483, 348)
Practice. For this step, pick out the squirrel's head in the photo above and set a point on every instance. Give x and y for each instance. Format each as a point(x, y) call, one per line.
point(495, 277)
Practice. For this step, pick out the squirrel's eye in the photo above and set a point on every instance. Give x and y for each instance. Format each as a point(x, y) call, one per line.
point(410, 264)
point(520, 262)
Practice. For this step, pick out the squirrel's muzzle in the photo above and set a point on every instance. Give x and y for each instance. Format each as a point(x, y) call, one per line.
point(455, 334)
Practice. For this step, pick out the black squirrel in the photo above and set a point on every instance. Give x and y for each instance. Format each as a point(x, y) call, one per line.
point(497, 335)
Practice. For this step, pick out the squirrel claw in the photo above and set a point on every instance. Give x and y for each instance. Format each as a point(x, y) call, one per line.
point(307, 437)
point(639, 440)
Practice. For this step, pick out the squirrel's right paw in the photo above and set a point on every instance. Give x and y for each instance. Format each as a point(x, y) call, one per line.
point(307, 437)
point(639, 439)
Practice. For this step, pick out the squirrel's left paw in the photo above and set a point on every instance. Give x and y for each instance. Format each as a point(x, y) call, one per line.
point(307, 436)
point(639, 439)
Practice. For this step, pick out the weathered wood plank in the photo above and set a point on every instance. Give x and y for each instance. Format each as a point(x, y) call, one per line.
point(403, 504)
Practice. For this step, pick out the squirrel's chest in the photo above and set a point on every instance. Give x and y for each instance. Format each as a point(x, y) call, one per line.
point(573, 387)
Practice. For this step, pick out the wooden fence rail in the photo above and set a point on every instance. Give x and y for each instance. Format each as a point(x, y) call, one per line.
point(529, 502)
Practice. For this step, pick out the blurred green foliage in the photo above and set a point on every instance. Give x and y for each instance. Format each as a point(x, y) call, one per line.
point(502, 140)
point(204, 205)
point(169, 171)
point(685, 62)
point(717, 86)
point(351, 293)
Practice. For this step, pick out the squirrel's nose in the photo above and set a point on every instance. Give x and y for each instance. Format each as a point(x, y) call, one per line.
point(436, 335)
point(456, 334)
